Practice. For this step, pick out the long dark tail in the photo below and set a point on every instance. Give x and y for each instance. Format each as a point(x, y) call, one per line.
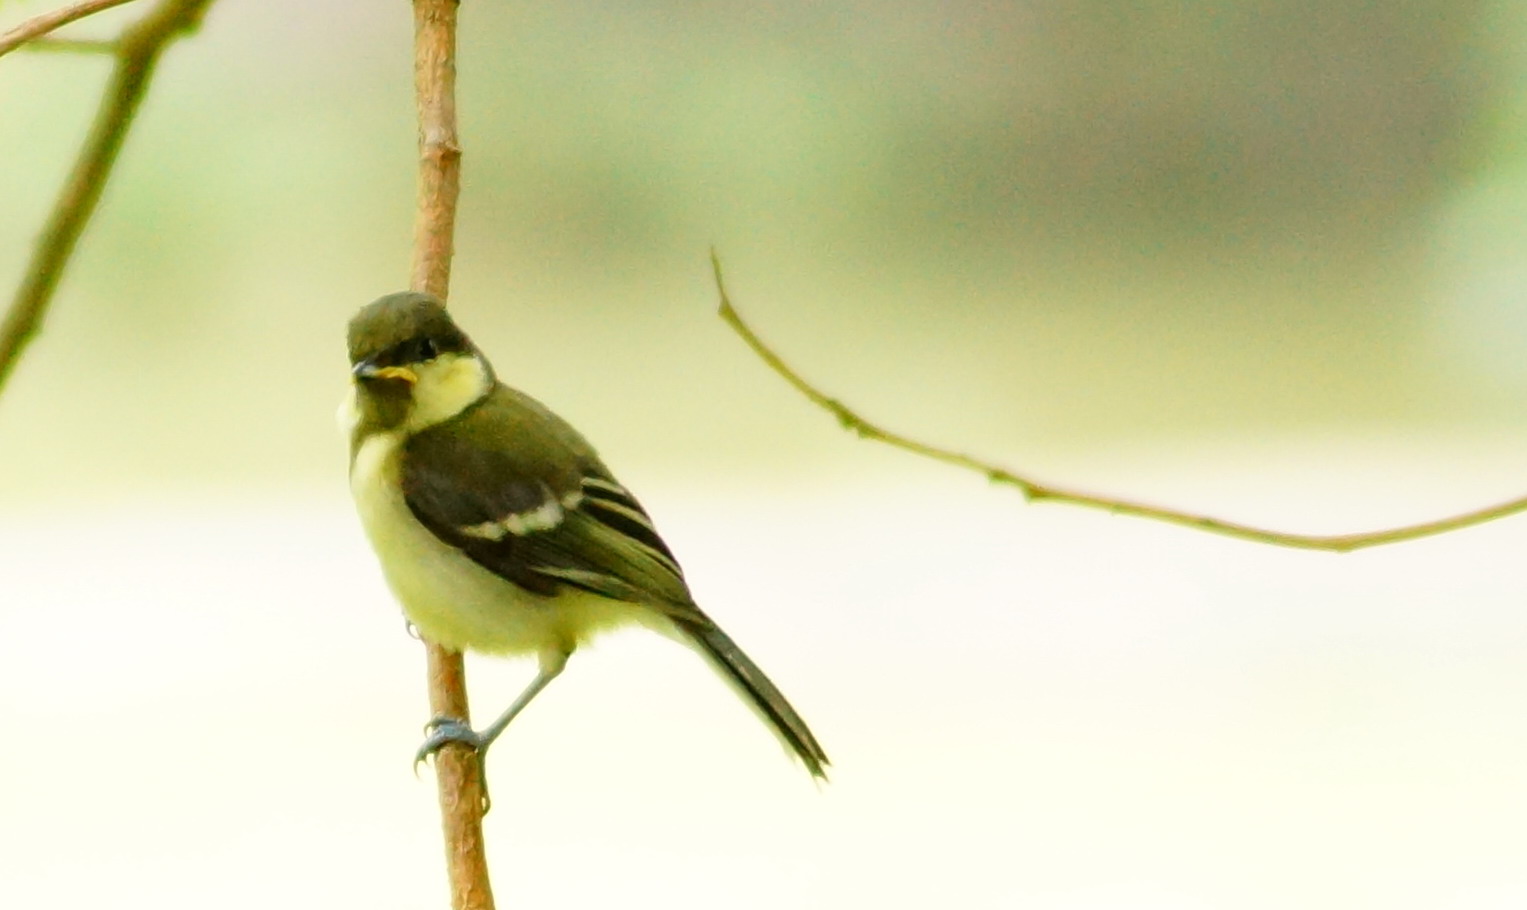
point(760, 694)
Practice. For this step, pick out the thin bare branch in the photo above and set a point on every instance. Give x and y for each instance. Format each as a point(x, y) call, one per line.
point(1035, 491)
point(456, 765)
point(459, 783)
point(71, 46)
point(439, 147)
point(137, 55)
point(37, 26)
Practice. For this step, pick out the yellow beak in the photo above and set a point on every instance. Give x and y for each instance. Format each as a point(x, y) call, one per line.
point(367, 371)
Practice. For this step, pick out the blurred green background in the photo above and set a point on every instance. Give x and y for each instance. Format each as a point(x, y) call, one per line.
point(1029, 229)
point(1263, 259)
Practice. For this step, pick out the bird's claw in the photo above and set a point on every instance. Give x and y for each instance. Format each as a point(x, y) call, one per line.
point(440, 732)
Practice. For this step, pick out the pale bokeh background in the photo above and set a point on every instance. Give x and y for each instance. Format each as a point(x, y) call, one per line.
point(1263, 259)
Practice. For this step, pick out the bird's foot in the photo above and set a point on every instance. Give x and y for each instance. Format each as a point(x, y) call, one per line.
point(440, 732)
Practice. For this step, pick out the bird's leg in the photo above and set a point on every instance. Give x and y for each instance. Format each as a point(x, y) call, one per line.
point(443, 730)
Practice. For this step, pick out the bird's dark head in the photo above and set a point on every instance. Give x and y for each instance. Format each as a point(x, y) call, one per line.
point(411, 365)
point(401, 330)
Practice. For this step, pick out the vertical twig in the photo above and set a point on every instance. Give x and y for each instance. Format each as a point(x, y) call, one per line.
point(456, 766)
point(137, 54)
point(439, 149)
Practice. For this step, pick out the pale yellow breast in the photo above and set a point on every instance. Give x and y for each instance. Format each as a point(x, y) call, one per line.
point(451, 599)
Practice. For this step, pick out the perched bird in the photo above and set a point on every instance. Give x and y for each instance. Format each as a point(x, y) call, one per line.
point(499, 529)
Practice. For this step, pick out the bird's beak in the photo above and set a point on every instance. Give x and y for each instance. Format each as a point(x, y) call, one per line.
point(367, 370)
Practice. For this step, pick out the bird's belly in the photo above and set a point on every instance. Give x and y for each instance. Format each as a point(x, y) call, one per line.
point(452, 600)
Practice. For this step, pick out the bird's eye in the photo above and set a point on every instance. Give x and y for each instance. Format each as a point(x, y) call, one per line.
point(427, 349)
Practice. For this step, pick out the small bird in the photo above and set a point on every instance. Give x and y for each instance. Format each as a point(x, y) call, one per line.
point(499, 529)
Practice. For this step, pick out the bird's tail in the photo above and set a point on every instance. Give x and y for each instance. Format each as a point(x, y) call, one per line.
point(749, 681)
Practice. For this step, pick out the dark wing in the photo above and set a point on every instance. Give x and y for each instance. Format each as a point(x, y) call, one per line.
point(523, 495)
point(520, 492)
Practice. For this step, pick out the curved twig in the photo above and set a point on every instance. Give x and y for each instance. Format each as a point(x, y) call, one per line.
point(37, 26)
point(1035, 491)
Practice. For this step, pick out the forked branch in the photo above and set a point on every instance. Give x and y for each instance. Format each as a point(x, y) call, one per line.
point(37, 26)
point(137, 54)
